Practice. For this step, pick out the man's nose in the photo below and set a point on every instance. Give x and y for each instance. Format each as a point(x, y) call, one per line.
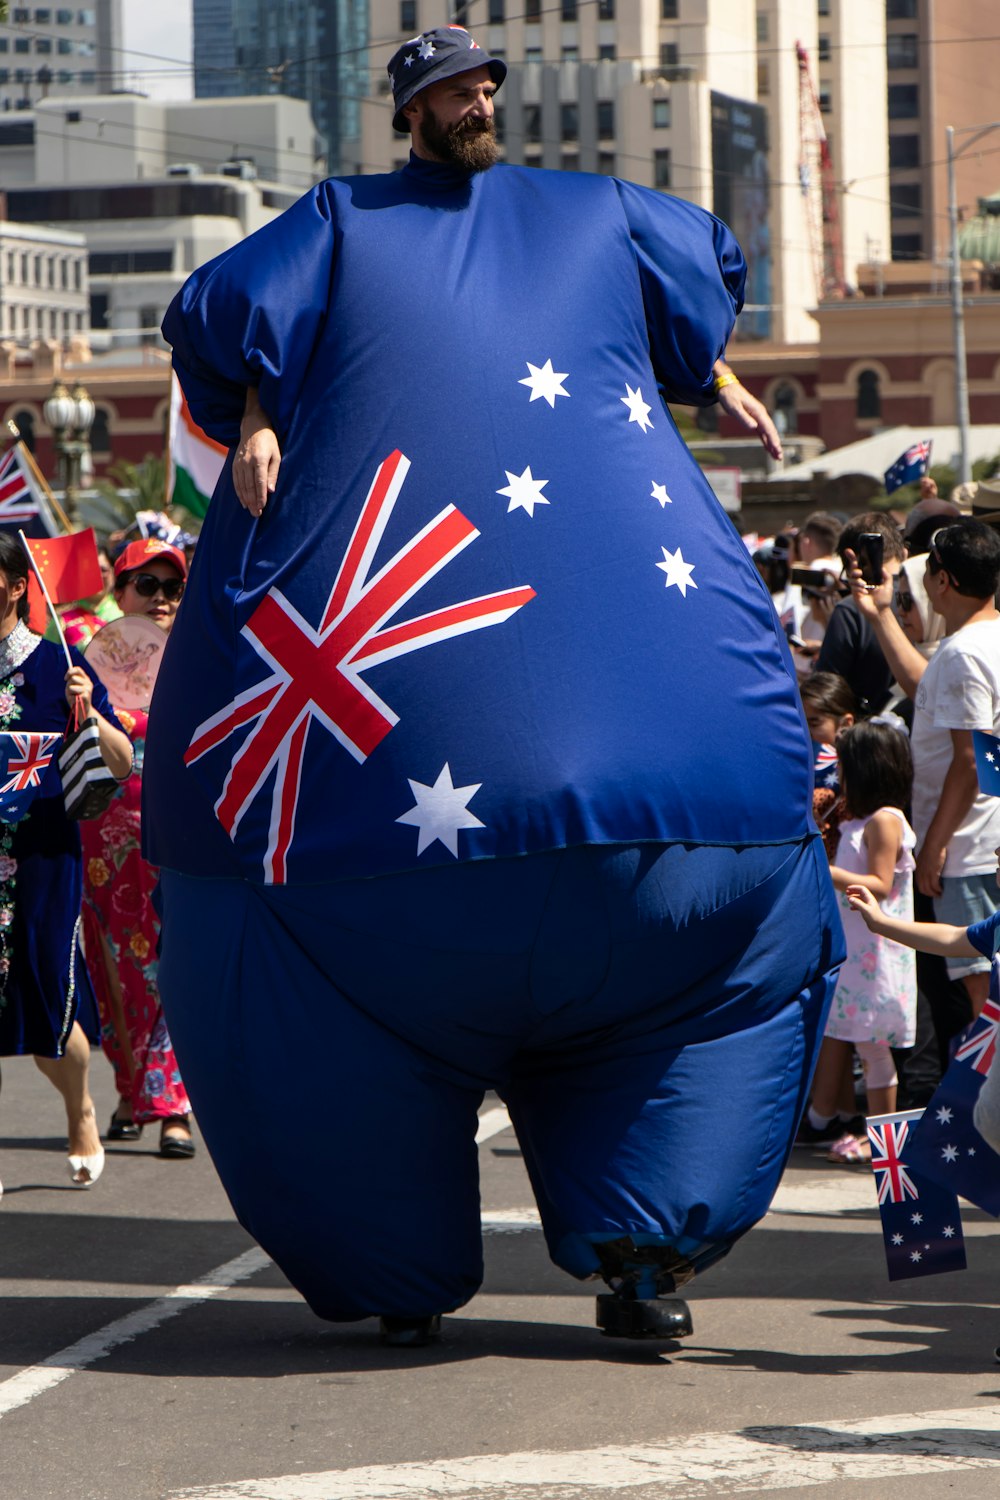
point(483, 107)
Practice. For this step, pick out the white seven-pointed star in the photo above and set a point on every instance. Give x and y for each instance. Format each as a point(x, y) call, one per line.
point(990, 756)
point(950, 1153)
point(916, 1255)
point(944, 1115)
point(427, 49)
point(638, 410)
point(659, 492)
point(525, 491)
point(914, 1218)
point(948, 1231)
point(545, 383)
point(677, 570)
point(897, 1239)
point(440, 811)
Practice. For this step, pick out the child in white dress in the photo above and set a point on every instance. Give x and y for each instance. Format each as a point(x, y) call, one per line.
point(875, 1002)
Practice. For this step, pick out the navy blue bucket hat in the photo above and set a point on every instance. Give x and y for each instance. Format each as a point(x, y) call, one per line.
point(431, 56)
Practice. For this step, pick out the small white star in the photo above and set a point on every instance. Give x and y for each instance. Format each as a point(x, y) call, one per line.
point(897, 1239)
point(427, 49)
point(638, 410)
point(944, 1115)
point(950, 1153)
point(916, 1218)
point(990, 756)
point(440, 811)
point(916, 1255)
point(409, 59)
point(524, 491)
point(545, 383)
point(948, 1231)
point(677, 570)
point(659, 492)
point(971, 1151)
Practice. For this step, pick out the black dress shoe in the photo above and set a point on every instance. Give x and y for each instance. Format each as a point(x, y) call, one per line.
point(643, 1318)
point(177, 1147)
point(410, 1333)
point(122, 1130)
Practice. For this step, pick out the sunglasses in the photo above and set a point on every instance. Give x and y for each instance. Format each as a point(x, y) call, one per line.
point(904, 602)
point(147, 585)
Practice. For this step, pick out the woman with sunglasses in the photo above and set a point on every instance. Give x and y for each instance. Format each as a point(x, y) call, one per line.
point(120, 925)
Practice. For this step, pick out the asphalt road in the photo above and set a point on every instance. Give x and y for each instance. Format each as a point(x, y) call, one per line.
point(149, 1352)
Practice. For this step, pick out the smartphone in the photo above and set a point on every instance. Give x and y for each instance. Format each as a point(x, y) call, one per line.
point(868, 551)
point(813, 578)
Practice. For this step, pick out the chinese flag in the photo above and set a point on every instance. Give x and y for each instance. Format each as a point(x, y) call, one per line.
point(70, 567)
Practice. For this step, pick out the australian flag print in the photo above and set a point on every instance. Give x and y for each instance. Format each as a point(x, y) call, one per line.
point(946, 1147)
point(911, 465)
point(921, 1224)
point(987, 750)
point(24, 763)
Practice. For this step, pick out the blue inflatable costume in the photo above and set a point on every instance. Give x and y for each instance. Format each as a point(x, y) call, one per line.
point(476, 762)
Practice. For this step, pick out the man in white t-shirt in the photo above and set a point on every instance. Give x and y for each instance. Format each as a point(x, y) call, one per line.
point(957, 691)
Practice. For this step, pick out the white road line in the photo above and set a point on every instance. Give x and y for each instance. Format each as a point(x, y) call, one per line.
point(23, 1387)
point(510, 1220)
point(703, 1467)
point(491, 1123)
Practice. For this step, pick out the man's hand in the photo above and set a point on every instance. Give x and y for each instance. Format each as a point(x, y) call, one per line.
point(930, 863)
point(871, 599)
point(736, 401)
point(258, 457)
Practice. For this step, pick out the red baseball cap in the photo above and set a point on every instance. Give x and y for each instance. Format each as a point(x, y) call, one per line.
point(149, 549)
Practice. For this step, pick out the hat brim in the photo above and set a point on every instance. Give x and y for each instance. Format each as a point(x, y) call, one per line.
point(450, 68)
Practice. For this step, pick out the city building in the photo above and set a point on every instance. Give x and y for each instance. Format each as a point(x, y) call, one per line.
point(305, 49)
point(43, 283)
point(54, 51)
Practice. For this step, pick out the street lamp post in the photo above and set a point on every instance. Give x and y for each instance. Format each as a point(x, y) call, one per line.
point(70, 415)
point(975, 133)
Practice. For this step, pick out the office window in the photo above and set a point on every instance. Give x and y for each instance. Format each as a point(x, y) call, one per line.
point(904, 151)
point(43, 17)
point(499, 122)
point(661, 114)
point(22, 44)
point(668, 10)
point(532, 10)
point(763, 80)
point(905, 200)
point(825, 102)
point(901, 10)
point(606, 163)
point(569, 161)
point(43, 44)
point(408, 17)
point(570, 10)
point(606, 52)
point(904, 101)
point(868, 403)
point(86, 17)
point(64, 46)
point(605, 10)
point(661, 169)
point(901, 50)
point(907, 247)
point(823, 49)
point(533, 124)
point(64, 17)
point(823, 8)
point(669, 54)
point(21, 15)
point(4, 44)
point(762, 27)
point(495, 13)
point(569, 119)
point(570, 54)
point(533, 54)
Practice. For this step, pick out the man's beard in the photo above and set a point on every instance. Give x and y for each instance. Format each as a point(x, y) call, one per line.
point(470, 143)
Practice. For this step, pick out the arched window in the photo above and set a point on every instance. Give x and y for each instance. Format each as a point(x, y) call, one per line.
point(869, 402)
point(24, 421)
point(786, 407)
point(100, 432)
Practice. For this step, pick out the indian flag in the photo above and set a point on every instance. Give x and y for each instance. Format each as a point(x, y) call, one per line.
point(196, 460)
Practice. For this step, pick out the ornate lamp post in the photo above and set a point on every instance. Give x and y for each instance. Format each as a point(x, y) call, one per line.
point(70, 415)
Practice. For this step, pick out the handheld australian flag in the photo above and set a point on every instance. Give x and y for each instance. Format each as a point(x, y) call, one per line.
point(921, 1224)
point(946, 1147)
point(911, 464)
point(987, 749)
point(24, 762)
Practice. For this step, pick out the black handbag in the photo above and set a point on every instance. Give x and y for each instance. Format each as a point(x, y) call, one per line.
point(88, 785)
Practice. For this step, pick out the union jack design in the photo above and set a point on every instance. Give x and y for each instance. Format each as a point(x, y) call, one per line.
point(980, 1049)
point(894, 1181)
point(316, 674)
point(17, 501)
point(33, 756)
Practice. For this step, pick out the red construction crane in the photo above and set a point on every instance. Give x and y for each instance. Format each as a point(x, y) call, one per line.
point(818, 188)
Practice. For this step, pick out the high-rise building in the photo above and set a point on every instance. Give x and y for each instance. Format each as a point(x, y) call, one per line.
point(943, 62)
point(307, 49)
point(698, 97)
point(52, 50)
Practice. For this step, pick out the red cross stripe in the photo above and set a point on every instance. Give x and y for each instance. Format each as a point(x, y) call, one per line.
point(16, 500)
point(981, 1047)
point(894, 1181)
point(34, 753)
point(316, 673)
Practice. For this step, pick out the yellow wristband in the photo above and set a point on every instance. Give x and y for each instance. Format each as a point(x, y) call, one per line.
point(721, 381)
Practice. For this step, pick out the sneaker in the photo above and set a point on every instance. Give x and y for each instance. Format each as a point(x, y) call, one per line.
point(823, 1135)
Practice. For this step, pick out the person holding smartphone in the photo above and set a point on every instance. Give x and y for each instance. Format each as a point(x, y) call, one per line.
point(850, 646)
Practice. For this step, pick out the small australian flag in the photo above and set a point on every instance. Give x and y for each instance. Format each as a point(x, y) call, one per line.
point(921, 1224)
point(913, 464)
point(946, 1147)
point(987, 749)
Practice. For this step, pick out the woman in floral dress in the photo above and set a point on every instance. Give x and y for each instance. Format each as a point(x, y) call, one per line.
point(120, 924)
point(46, 1003)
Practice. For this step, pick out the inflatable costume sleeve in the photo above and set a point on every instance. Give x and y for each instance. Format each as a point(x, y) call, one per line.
point(691, 272)
point(253, 316)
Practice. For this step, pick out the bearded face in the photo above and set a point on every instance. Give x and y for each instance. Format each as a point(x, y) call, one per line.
point(470, 143)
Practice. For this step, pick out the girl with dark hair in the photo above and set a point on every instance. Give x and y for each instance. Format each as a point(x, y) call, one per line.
point(875, 1003)
point(44, 991)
